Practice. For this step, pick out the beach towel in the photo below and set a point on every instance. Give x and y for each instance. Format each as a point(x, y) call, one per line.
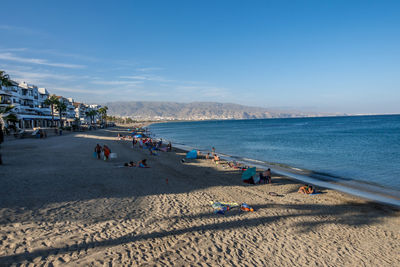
point(246, 207)
point(222, 207)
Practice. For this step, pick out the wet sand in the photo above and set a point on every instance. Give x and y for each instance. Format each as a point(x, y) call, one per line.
point(60, 206)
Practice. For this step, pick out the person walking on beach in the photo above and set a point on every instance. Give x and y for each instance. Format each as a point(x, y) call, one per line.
point(98, 149)
point(107, 152)
point(213, 151)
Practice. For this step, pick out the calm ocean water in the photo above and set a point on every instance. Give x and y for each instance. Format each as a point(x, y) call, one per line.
point(365, 148)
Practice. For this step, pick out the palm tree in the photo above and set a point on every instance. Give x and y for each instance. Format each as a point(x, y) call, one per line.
point(4, 79)
point(51, 101)
point(7, 115)
point(61, 107)
point(11, 117)
point(91, 115)
point(103, 113)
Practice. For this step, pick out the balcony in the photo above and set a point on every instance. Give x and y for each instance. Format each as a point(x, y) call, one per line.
point(26, 97)
point(5, 102)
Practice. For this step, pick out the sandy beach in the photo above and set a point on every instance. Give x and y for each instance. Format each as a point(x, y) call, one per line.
point(59, 206)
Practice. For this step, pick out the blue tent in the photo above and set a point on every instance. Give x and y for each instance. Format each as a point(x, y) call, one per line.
point(192, 154)
point(249, 173)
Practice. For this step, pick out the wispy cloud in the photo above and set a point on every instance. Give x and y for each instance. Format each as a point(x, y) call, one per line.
point(23, 30)
point(63, 54)
point(147, 77)
point(30, 75)
point(148, 69)
point(134, 77)
point(13, 49)
point(12, 57)
point(103, 82)
point(80, 90)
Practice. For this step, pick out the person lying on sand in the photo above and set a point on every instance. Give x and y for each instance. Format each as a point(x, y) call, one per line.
point(143, 164)
point(130, 164)
point(307, 189)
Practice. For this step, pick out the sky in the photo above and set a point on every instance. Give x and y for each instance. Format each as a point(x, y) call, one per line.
point(326, 56)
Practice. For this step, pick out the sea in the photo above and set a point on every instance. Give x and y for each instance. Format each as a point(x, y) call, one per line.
point(365, 149)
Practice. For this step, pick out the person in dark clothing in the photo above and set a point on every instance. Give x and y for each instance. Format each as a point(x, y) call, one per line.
point(98, 149)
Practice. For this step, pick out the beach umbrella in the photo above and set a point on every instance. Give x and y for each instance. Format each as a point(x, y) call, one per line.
point(138, 136)
point(247, 174)
point(192, 154)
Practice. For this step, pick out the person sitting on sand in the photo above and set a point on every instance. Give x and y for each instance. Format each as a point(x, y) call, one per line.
point(216, 159)
point(143, 164)
point(307, 189)
point(263, 178)
point(208, 156)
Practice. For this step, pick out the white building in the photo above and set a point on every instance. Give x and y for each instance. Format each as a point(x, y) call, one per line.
point(28, 102)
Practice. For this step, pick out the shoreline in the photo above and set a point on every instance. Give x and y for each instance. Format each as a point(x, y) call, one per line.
point(368, 191)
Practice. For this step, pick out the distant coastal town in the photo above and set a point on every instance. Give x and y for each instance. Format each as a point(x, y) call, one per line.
point(27, 106)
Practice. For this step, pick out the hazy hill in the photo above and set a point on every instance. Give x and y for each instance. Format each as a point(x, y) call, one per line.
point(143, 110)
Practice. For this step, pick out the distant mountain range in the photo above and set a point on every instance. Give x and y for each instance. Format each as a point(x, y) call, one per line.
point(143, 110)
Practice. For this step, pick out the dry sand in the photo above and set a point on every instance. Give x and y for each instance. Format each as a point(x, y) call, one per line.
point(61, 207)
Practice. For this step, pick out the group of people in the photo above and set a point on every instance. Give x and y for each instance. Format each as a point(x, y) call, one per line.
point(105, 149)
point(265, 177)
point(152, 145)
point(141, 164)
point(307, 189)
point(124, 137)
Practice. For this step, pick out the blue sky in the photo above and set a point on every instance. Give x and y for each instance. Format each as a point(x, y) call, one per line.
point(334, 56)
